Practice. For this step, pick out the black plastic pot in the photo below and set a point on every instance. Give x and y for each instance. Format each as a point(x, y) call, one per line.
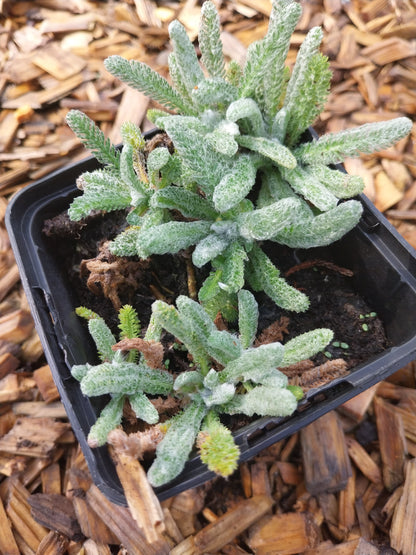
point(384, 266)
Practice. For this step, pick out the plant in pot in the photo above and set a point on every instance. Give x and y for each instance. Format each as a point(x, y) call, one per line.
point(234, 174)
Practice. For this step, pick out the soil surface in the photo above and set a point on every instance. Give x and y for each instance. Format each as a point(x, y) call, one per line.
point(334, 303)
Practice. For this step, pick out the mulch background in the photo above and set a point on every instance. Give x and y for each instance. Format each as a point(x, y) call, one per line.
point(51, 60)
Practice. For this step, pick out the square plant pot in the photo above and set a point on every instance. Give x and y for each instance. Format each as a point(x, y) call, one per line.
point(384, 267)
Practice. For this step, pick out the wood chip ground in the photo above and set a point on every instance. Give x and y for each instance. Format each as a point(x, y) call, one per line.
point(342, 486)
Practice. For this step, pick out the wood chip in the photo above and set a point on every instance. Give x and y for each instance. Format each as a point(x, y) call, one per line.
point(326, 462)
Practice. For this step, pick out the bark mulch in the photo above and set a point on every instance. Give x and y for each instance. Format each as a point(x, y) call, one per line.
point(343, 485)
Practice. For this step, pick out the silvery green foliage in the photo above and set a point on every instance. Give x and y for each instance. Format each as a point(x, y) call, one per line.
point(228, 376)
point(127, 180)
point(122, 376)
point(231, 376)
point(237, 131)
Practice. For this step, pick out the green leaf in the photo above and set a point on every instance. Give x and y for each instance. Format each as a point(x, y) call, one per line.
point(192, 312)
point(323, 229)
point(209, 40)
point(103, 338)
point(216, 446)
point(209, 248)
point(127, 378)
point(265, 222)
point(93, 138)
point(365, 139)
point(185, 56)
point(248, 314)
point(251, 360)
point(223, 346)
point(141, 77)
point(307, 50)
point(338, 182)
point(129, 323)
point(235, 186)
point(263, 401)
point(311, 95)
point(189, 204)
point(270, 148)
point(306, 184)
point(263, 275)
point(143, 408)
point(214, 94)
point(233, 264)
point(173, 451)
point(282, 23)
point(171, 237)
point(306, 345)
point(102, 191)
point(247, 109)
point(108, 420)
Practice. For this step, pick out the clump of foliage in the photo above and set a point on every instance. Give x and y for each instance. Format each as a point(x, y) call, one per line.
point(228, 376)
point(242, 172)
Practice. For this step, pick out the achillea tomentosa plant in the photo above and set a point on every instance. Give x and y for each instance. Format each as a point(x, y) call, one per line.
point(230, 376)
point(240, 173)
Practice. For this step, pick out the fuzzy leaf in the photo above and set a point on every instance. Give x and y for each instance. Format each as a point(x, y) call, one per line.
point(270, 148)
point(306, 345)
point(263, 275)
point(192, 312)
point(323, 229)
point(223, 346)
point(339, 183)
point(236, 185)
point(179, 84)
point(102, 191)
point(127, 378)
point(251, 360)
point(185, 55)
point(310, 97)
point(222, 141)
point(158, 158)
point(208, 248)
point(235, 257)
point(214, 94)
point(365, 139)
point(248, 313)
point(108, 420)
point(190, 333)
point(137, 188)
point(306, 184)
point(263, 401)
point(189, 204)
point(206, 166)
point(142, 78)
point(188, 382)
point(209, 40)
point(103, 338)
point(282, 23)
point(125, 243)
point(273, 188)
point(173, 451)
point(222, 393)
point(247, 109)
point(171, 237)
point(307, 50)
point(217, 448)
point(93, 138)
point(143, 408)
point(265, 222)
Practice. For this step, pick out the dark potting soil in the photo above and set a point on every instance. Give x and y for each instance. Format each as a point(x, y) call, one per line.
point(334, 301)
